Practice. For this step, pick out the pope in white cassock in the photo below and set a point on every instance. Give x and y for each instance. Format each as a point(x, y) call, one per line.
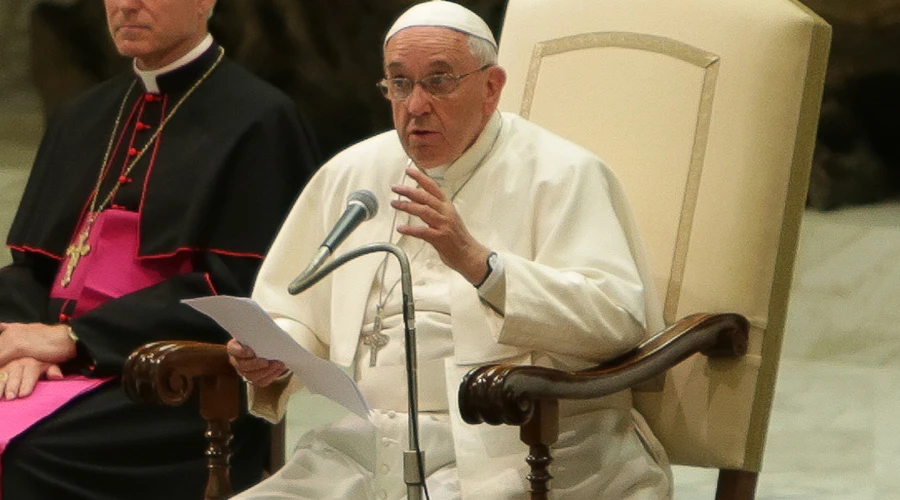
point(522, 250)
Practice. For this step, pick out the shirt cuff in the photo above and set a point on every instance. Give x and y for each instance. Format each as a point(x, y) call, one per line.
point(493, 290)
point(270, 402)
point(83, 363)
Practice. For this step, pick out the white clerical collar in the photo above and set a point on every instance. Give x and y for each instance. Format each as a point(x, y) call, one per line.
point(149, 76)
point(437, 173)
point(460, 170)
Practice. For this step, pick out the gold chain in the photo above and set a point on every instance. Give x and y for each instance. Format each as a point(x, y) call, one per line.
point(94, 206)
point(80, 247)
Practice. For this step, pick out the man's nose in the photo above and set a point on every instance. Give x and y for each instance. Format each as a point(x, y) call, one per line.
point(128, 5)
point(419, 101)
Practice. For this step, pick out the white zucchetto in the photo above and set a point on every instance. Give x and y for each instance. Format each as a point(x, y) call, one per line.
point(442, 14)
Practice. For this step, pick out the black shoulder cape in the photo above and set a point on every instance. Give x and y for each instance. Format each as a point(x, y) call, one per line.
point(197, 176)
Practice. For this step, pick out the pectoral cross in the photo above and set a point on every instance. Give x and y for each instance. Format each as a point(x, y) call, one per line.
point(375, 339)
point(75, 252)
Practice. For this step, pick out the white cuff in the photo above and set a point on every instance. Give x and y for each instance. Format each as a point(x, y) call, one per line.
point(493, 290)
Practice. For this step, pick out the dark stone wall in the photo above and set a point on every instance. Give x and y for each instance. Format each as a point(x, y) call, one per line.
point(325, 54)
point(857, 157)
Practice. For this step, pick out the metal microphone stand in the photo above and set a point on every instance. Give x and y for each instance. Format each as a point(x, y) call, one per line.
point(414, 458)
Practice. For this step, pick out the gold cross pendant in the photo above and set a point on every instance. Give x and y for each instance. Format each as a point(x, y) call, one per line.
point(75, 252)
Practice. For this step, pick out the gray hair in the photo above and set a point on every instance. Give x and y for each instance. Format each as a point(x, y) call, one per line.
point(484, 51)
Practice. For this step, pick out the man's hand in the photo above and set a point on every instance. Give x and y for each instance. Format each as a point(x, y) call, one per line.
point(255, 370)
point(18, 378)
point(444, 229)
point(46, 343)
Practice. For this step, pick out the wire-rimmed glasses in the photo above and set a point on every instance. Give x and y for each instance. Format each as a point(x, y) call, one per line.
point(438, 84)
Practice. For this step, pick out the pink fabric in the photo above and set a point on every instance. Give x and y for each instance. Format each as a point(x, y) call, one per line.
point(18, 415)
point(110, 270)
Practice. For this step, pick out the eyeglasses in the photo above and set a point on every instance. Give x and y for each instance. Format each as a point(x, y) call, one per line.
point(438, 84)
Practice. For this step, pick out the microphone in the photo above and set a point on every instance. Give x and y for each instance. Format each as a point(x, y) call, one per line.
point(413, 459)
point(361, 206)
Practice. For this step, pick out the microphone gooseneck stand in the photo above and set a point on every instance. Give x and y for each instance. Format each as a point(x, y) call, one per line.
point(413, 459)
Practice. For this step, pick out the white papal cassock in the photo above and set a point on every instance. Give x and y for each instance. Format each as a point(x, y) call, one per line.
point(574, 290)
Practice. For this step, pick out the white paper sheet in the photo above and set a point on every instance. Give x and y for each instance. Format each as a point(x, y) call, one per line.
point(247, 322)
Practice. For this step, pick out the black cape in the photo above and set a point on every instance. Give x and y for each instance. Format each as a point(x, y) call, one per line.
point(217, 182)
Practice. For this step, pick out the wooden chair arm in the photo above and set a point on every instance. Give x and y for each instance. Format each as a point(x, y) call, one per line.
point(506, 394)
point(165, 373)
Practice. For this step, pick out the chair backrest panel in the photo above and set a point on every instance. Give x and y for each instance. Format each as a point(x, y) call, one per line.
point(706, 111)
point(659, 91)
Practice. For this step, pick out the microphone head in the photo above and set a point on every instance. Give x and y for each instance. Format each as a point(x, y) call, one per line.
point(366, 199)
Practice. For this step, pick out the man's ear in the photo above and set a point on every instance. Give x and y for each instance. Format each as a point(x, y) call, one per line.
point(496, 80)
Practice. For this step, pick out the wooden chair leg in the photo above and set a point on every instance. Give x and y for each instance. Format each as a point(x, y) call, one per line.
point(736, 485)
point(541, 431)
point(219, 405)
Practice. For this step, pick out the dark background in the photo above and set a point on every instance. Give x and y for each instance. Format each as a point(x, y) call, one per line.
point(326, 55)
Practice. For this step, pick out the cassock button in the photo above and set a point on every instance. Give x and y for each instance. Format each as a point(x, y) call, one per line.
point(117, 207)
point(132, 151)
point(63, 318)
point(142, 126)
point(124, 180)
point(150, 97)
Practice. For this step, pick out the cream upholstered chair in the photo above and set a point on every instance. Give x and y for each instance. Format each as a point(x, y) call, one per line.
point(707, 111)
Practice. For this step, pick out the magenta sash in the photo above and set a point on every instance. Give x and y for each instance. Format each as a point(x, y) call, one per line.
point(48, 396)
point(111, 269)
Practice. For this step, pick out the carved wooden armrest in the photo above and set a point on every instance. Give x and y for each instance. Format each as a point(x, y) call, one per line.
point(528, 396)
point(505, 394)
point(166, 373)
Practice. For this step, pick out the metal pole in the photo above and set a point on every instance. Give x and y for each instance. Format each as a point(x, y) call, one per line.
point(414, 458)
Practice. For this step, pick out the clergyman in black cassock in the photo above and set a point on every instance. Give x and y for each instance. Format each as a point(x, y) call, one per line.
point(204, 162)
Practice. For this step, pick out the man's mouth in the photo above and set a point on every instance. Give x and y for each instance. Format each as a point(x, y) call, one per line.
point(129, 27)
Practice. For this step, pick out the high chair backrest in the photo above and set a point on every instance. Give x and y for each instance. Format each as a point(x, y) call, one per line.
point(707, 111)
